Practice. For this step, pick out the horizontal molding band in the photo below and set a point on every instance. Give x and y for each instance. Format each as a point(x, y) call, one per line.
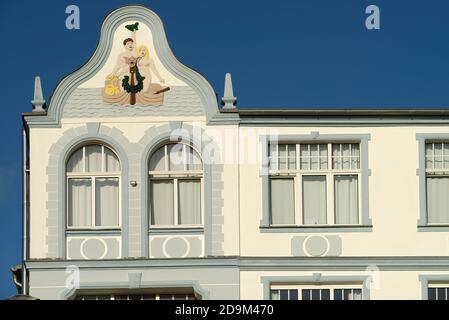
point(94, 233)
point(313, 229)
point(255, 263)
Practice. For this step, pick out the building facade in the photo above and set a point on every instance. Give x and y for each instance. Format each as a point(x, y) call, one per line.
point(138, 184)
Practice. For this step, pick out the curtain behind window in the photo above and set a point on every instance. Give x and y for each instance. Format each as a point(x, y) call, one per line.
point(438, 200)
point(282, 201)
point(79, 203)
point(346, 200)
point(161, 201)
point(189, 205)
point(314, 199)
point(107, 204)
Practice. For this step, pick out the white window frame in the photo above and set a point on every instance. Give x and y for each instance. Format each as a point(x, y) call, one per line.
point(297, 174)
point(93, 176)
point(438, 285)
point(157, 296)
point(331, 287)
point(434, 173)
point(176, 177)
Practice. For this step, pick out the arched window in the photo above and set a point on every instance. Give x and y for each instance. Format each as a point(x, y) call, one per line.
point(176, 186)
point(93, 188)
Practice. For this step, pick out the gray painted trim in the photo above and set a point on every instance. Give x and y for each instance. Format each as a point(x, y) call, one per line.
point(421, 173)
point(315, 279)
point(317, 137)
point(56, 187)
point(312, 229)
point(93, 233)
point(68, 294)
point(154, 138)
point(176, 231)
point(136, 13)
point(338, 111)
point(344, 121)
point(425, 279)
point(259, 263)
point(433, 228)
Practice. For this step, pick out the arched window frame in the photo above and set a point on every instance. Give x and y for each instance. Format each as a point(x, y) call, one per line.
point(93, 176)
point(175, 176)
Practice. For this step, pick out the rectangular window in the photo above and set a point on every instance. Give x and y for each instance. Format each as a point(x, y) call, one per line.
point(106, 201)
point(438, 292)
point(79, 202)
point(324, 179)
point(161, 198)
point(282, 201)
point(437, 182)
point(148, 296)
point(314, 199)
point(323, 292)
point(346, 199)
point(189, 206)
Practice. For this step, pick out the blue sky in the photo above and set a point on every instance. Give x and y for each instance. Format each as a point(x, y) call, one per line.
point(283, 54)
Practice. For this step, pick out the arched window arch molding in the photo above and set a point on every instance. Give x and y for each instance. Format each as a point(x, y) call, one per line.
point(157, 136)
point(56, 188)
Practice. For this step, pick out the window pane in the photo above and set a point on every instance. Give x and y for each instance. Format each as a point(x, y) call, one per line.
point(291, 156)
point(274, 295)
point(446, 155)
point(112, 163)
point(166, 297)
point(314, 199)
point(75, 163)
point(284, 294)
point(438, 200)
point(293, 294)
point(306, 294)
point(441, 293)
point(157, 161)
point(347, 294)
point(107, 202)
point(313, 156)
point(176, 157)
point(282, 153)
point(161, 201)
point(355, 156)
point(429, 155)
point(325, 294)
point(93, 159)
point(338, 294)
point(357, 294)
point(438, 156)
point(304, 156)
point(323, 156)
point(194, 160)
point(316, 294)
point(346, 200)
point(432, 294)
point(189, 202)
point(346, 157)
point(282, 201)
point(79, 202)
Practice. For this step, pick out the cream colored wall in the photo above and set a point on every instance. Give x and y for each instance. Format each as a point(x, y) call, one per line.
point(133, 129)
point(393, 199)
point(393, 189)
point(41, 141)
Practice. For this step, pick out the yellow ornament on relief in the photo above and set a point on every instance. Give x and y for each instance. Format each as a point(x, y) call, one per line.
point(111, 90)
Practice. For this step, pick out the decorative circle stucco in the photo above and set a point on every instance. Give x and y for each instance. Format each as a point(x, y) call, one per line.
point(176, 247)
point(316, 246)
point(93, 249)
